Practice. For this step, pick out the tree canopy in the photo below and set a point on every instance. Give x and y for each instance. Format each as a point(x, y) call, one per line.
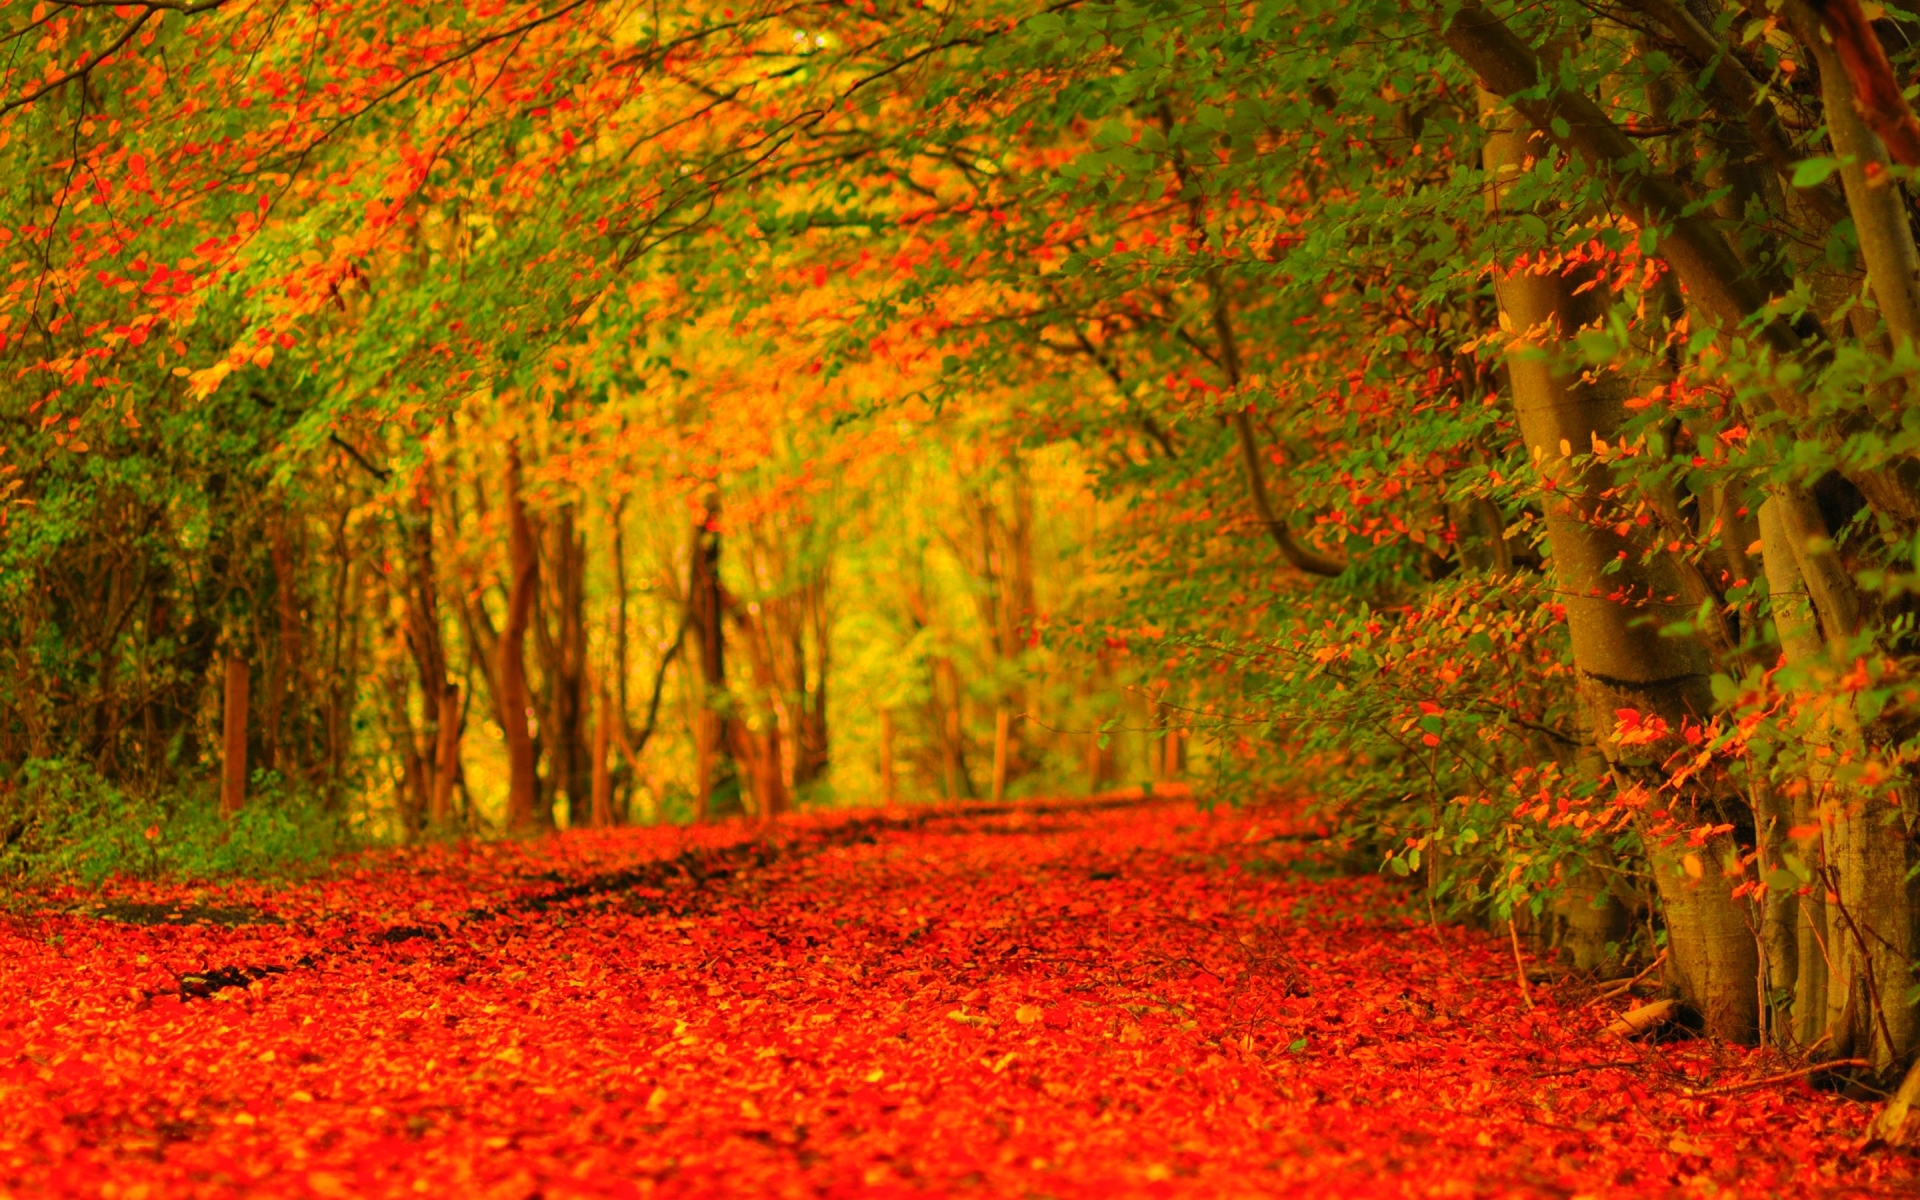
point(1492, 424)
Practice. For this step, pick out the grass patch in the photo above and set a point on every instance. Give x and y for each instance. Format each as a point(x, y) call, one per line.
point(63, 823)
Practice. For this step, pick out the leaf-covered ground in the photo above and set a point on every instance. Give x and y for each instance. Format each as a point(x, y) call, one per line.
point(1071, 1001)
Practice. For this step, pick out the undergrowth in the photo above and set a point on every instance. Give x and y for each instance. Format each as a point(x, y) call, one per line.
point(62, 822)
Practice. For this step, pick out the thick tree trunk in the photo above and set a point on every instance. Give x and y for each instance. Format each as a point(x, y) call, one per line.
point(1869, 926)
point(1800, 644)
point(1855, 937)
point(233, 767)
point(523, 567)
point(1613, 618)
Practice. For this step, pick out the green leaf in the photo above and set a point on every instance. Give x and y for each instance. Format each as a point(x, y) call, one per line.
point(1813, 172)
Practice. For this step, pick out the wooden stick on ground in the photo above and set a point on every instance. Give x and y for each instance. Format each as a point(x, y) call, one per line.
point(1627, 985)
point(1519, 967)
point(1784, 1077)
point(1637, 1021)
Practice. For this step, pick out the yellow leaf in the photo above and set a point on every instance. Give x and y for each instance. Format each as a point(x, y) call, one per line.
point(1028, 1014)
point(1691, 864)
point(323, 1184)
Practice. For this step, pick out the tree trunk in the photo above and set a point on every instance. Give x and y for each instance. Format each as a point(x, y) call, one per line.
point(887, 794)
point(1800, 644)
point(562, 642)
point(233, 767)
point(717, 776)
point(1855, 938)
point(812, 751)
point(342, 667)
point(1100, 764)
point(523, 566)
point(604, 721)
point(415, 788)
point(446, 758)
point(1002, 736)
point(1877, 204)
point(758, 750)
point(432, 786)
point(286, 650)
point(1593, 921)
point(1613, 618)
point(947, 702)
point(1706, 265)
point(1173, 762)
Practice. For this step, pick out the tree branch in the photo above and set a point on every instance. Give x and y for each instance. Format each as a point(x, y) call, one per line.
point(1737, 96)
point(1876, 92)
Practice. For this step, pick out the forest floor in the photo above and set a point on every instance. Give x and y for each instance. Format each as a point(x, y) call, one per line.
point(1048, 1001)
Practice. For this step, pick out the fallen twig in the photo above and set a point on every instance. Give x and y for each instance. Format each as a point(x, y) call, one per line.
point(1623, 1064)
point(1636, 1021)
point(1627, 985)
point(1519, 966)
point(1784, 1077)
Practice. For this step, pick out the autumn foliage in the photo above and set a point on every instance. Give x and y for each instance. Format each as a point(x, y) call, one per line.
point(559, 557)
point(1078, 1000)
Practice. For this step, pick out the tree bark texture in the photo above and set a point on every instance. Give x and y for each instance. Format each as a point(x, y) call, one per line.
point(718, 784)
point(1613, 618)
point(233, 766)
point(515, 699)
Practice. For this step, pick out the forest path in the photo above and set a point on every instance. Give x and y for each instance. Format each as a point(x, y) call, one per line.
point(1059, 1001)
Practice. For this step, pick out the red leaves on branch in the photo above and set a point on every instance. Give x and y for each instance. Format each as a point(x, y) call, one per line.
point(1148, 1000)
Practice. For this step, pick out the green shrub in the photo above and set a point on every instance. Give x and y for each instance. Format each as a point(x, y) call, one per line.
point(63, 822)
